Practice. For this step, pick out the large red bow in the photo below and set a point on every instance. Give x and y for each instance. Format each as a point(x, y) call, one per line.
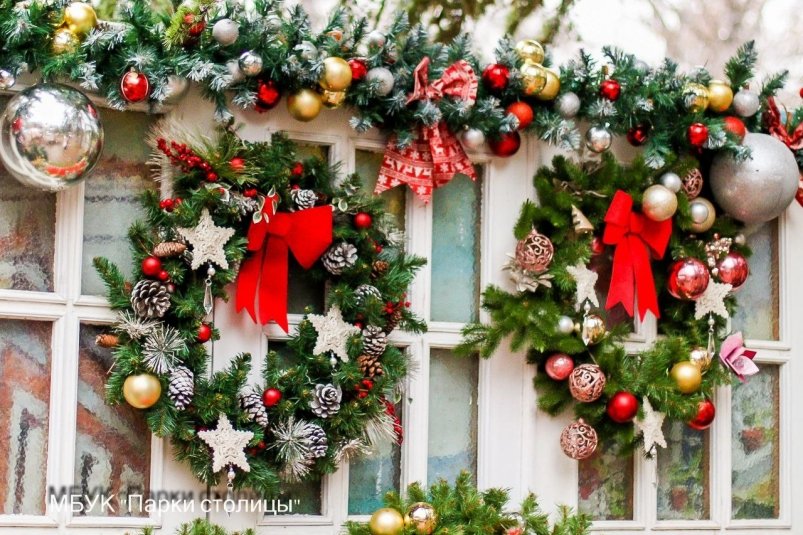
point(263, 276)
point(435, 156)
point(778, 130)
point(636, 239)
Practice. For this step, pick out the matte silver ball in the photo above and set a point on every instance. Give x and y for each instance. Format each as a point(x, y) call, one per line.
point(759, 188)
point(383, 79)
point(7, 79)
point(671, 181)
point(598, 139)
point(568, 105)
point(473, 138)
point(641, 66)
point(376, 38)
point(226, 32)
point(746, 103)
point(175, 88)
point(307, 50)
point(250, 63)
point(659, 203)
point(566, 325)
point(50, 137)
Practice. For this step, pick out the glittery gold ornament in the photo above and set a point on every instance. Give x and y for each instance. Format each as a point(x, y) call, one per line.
point(533, 78)
point(422, 517)
point(80, 18)
point(142, 391)
point(386, 521)
point(687, 377)
point(530, 50)
point(333, 99)
point(304, 105)
point(695, 96)
point(336, 74)
point(701, 358)
point(720, 96)
point(552, 86)
point(64, 41)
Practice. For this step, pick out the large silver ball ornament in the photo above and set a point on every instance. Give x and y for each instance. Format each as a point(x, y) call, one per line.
point(671, 181)
point(598, 139)
point(50, 137)
point(226, 32)
point(7, 79)
point(568, 105)
point(175, 88)
point(746, 103)
point(473, 138)
point(659, 203)
point(759, 188)
point(250, 63)
point(383, 79)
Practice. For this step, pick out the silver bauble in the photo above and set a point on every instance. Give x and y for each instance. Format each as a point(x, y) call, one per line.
point(659, 203)
point(598, 139)
point(175, 88)
point(759, 188)
point(236, 74)
point(746, 103)
point(376, 38)
point(473, 138)
point(50, 136)
point(307, 50)
point(383, 79)
point(7, 79)
point(671, 181)
point(641, 66)
point(272, 22)
point(250, 63)
point(565, 325)
point(568, 105)
point(226, 32)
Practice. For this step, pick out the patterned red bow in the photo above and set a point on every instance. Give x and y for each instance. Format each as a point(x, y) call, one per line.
point(432, 159)
point(778, 130)
point(263, 276)
point(636, 239)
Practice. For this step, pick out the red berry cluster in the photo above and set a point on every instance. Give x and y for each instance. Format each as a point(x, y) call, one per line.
point(365, 386)
point(168, 205)
point(391, 307)
point(397, 425)
point(152, 268)
point(297, 170)
point(185, 158)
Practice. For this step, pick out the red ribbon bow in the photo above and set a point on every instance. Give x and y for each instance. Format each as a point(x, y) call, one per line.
point(778, 130)
point(636, 239)
point(436, 155)
point(263, 276)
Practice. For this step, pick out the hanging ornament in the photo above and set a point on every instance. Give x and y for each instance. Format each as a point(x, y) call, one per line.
point(693, 183)
point(568, 105)
point(304, 105)
point(422, 518)
point(142, 391)
point(307, 51)
point(610, 89)
point(687, 377)
point(599, 138)
point(195, 27)
point(559, 366)
point(622, 407)
point(713, 301)
point(551, 88)
point(226, 32)
point(738, 358)
point(386, 521)
point(7, 79)
point(703, 215)
point(533, 78)
point(174, 89)
point(706, 412)
point(363, 220)
point(268, 95)
point(207, 241)
point(580, 222)
point(586, 383)
point(650, 427)
point(376, 38)
point(735, 126)
point(271, 397)
point(597, 246)
point(695, 97)
point(659, 203)
point(336, 75)
point(250, 63)
point(227, 444)
point(64, 41)
point(586, 281)
point(506, 144)
point(80, 18)
point(496, 77)
point(671, 181)
point(733, 269)
point(578, 440)
point(592, 330)
point(637, 136)
point(697, 134)
point(523, 112)
point(534, 252)
point(151, 266)
point(530, 50)
point(473, 138)
point(204, 333)
point(134, 86)
point(235, 74)
point(565, 325)
point(181, 387)
point(332, 100)
point(702, 358)
point(382, 80)
point(759, 188)
point(746, 103)
point(688, 279)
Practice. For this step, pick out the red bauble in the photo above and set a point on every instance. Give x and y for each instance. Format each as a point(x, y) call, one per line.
point(735, 126)
point(134, 86)
point(204, 333)
point(559, 366)
point(705, 416)
point(197, 28)
point(637, 135)
point(523, 112)
point(250, 193)
point(271, 397)
point(697, 134)
point(211, 176)
point(237, 164)
point(297, 170)
point(268, 95)
point(363, 220)
point(688, 279)
point(358, 69)
point(597, 246)
point(496, 77)
point(163, 276)
point(622, 407)
point(733, 270)
point(610, 89)
point(506, 144)
point(151, 266)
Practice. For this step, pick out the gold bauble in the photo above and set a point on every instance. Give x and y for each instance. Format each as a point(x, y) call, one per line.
point(333, 99)
point(720, 96)
point(687, 377)
point(701, 358)
point(593, 329)
point(64, 41)
point(552, 86)
point(659, 203)
point(386, 521)
point(533, 78)
point(530, 50)
point(336, 74)
point(304, 105)
point(142, 391)
point(698, 208)
point(422, 517)
point(695, 97)
point(80, 18)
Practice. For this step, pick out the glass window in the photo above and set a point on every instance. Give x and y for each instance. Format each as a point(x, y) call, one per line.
point(683, 474)
point(606, 485)
point(367, 165)
point(757, 315)
point(24, 409)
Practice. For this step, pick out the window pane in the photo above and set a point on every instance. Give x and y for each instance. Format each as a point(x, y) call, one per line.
point(683, 474)
point(310, 150)
point(107, 435)
point(755, 445)
point(112, 195)
point(456, 250)
point(757, 314)
point(24, 408)
point(606, 485)
point(368, 164)
point(452, 415)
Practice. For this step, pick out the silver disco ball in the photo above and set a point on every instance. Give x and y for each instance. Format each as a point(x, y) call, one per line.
point(50, 137)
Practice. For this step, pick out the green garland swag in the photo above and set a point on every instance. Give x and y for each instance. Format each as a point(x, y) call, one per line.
point(298, 432)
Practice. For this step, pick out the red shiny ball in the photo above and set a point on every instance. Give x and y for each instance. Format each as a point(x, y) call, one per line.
point(610, 89)
point(559, 366)
point(237, 164)
point(523, 112)
point(250, 193)
point(163, 276)
point(211, 177)
point(637, 135)
point(735, 126)
point(697, 134)
point(705, 416)
point(496, 77)
point(271, 397)
point(622, 407)
point(358, 69)
point(204, 333)
point(363, 220)
point(167, 205)
point(297, 170)
point(733, 270)
point(151, 266)
point(597, 246)
point(134, 86)
point(506, 144)
point(268, 95)
point(197, 28)
point(688, 279)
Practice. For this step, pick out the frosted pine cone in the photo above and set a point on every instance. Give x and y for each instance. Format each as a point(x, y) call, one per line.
point(304, 198)
point(254, 407)
point(340, 257)
point(318, 442)
point(182, 387)
point(150, 299)
point(326, 400)
point(374, 341)
point(364, 292)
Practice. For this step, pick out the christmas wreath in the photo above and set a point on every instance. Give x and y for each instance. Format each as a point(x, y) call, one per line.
point(240, 213)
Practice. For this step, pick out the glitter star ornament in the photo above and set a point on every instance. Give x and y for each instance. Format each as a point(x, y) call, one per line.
point(228, 445)
point(207, 241)
point(586, 280)
point(713, 301)
point(650, 427)
point(333, 333)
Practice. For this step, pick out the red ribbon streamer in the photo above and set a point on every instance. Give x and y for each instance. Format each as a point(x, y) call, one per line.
point(436, 155)
point(263, 276)
point(778, 130)
point(636, 238)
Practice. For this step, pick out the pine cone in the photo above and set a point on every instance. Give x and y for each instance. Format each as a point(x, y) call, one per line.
point(326, 400)
point(393, 321)
point(304, 198)
point(127, 288)
point(339, 258)
point(318, 442)
point(169, 249)
point(150, 299)
point(379, 268)
point(254, 407)
point(374, 341)
point(364, 292)
point(107, 340)
point(370, 366)
point(182, 387)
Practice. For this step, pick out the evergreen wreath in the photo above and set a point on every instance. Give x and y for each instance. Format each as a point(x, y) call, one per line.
point(319, 403)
